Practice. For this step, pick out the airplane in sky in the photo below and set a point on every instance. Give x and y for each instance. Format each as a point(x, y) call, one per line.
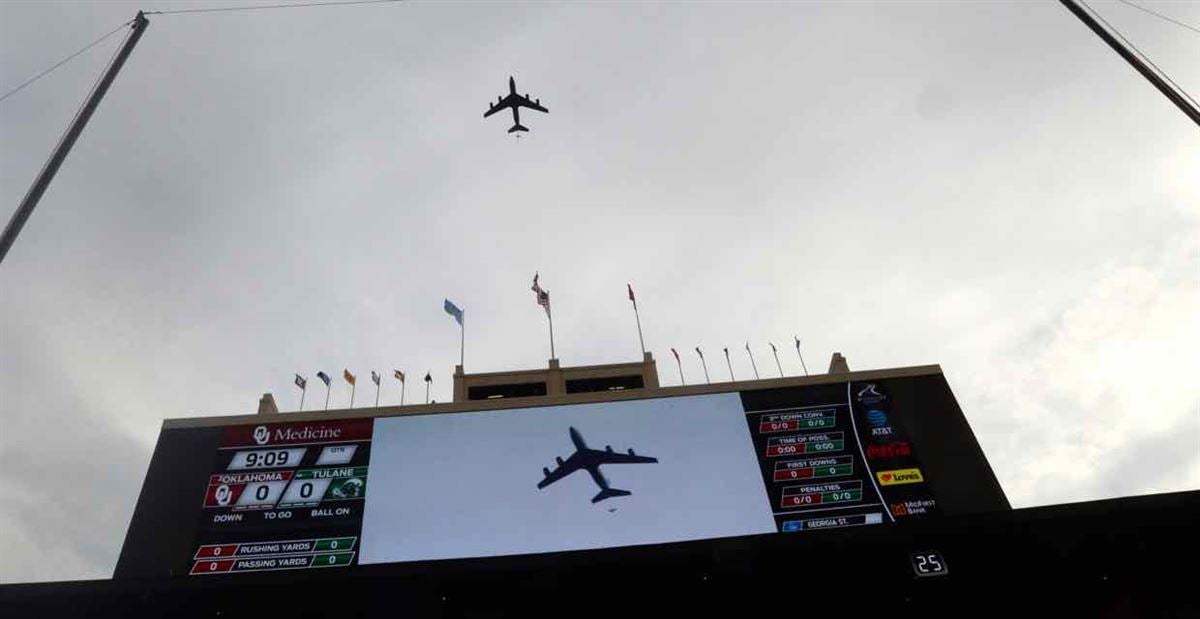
point(515, 101)
point(590, 461)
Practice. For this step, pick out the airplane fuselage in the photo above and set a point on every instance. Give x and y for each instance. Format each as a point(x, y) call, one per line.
point(590, 460)
point(514, 102)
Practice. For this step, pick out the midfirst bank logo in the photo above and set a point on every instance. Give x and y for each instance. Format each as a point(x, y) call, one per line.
point(919, 507)
point(899, 477)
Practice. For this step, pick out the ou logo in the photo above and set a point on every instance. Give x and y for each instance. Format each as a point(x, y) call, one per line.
point(223, 494)
point(261, 435)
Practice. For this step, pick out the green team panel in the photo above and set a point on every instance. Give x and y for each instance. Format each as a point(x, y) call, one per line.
point(312, 486)
point(333, 559)
point(335, 543)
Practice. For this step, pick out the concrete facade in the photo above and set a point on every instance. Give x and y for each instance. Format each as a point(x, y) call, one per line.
point(555, 377)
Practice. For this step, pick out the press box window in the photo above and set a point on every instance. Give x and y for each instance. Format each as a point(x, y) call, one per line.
point(516, 390)
point(611, 383)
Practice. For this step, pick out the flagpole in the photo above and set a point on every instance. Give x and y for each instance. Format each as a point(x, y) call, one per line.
point(377, 386)
point(352, 385)
point(704, 365)
point(727, 362)
point(427, 388)
point(801, 356)
point(777, 364)
point(638, 318)
point(752, 363)
point(302, 392)
point(679, 365)
point(462, 343)
point(327, 390)
point(401, 393)
point(550, 316)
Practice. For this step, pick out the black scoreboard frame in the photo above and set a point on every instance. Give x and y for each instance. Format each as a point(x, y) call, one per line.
point(164, 524)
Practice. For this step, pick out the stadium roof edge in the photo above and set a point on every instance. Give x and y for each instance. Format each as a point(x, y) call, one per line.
point(577, 398)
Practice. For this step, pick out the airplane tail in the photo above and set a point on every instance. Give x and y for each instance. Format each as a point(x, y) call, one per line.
point(518, 127)
point(609, 493)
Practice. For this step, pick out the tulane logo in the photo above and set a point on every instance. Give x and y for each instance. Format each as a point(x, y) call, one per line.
point(261, 435)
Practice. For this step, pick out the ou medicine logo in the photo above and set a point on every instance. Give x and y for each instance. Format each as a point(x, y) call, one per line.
point(261, 435)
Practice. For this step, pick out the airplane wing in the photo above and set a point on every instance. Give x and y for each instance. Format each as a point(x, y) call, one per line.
point(525, 102)
point(616, 457)
point(504, 103)
point(570, 465)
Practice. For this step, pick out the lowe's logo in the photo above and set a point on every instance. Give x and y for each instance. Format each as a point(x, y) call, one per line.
point(900, 476)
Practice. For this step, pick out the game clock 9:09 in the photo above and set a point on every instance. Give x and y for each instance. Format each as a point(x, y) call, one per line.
point(266, 459)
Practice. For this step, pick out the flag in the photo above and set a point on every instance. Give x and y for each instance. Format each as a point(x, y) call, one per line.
point(726, 349)
point(428, 378)
point(453, 310)
point(324, 378)
point(797, 342)
point(676, 353)
point(374, 378)
point(350, 378)
point(748, 347)
point(543, 296)
point(631, 298)
point(399, 375)
point(772, 346)
point(300, 382)
point(699, 353)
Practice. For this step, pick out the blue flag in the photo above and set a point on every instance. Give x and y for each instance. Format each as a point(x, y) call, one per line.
point(324, 378)
point(453, 310)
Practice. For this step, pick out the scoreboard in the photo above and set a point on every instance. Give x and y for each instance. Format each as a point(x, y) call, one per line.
point(840, 451)
point(224, 497)
point(284, 496)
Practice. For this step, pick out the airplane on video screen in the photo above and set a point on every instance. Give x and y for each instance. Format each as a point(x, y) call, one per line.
point(515, 101)
point(590, 461)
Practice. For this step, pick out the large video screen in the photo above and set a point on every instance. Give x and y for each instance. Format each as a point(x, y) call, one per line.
point(336, 494)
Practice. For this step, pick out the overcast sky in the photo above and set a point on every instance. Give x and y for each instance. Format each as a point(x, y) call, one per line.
point(984, 186)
